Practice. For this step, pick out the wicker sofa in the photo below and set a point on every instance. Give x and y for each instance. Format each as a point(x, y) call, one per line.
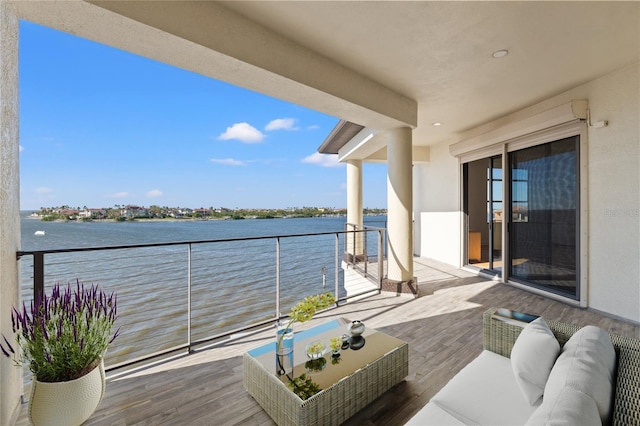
point(487, 392)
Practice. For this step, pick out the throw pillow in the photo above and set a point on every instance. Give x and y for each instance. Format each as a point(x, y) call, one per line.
point(586, 364)
point(570, 407)
point(532, 357)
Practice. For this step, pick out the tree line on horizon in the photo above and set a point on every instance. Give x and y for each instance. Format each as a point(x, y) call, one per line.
point(130, 212)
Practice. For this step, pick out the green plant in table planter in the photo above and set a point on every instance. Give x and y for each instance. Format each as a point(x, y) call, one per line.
point(315, 365)
point(304, 387)
point(64, 335)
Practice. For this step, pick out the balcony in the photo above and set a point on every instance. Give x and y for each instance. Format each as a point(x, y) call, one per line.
point(442, 327)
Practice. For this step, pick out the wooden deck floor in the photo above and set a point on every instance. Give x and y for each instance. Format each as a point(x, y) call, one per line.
point(442, 327)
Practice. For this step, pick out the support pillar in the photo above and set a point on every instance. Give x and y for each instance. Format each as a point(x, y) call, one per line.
point(10, 375)
point(400, 205)
point(354, 209)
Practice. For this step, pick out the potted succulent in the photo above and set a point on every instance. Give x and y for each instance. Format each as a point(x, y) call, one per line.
point(63, 337)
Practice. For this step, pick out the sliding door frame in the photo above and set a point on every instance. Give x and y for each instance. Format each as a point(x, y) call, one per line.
point(488, 215)
point(569, 129)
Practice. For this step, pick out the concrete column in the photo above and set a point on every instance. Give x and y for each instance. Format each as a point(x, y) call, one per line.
point(10, 375)
point(400, 205)
point(354, 207)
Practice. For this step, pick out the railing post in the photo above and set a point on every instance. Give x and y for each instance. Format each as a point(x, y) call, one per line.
point(337, 297)
point(38, 275)
point(277, 279)
point(353, 247)
point(364, 251)
point(189, 296)
point(346, 243)
point(380, 260)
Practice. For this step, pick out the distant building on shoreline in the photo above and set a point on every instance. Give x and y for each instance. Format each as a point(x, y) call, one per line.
point(133, 212)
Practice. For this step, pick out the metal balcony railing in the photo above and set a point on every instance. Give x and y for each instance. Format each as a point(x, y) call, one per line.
point(178, 296)
point(365, 251)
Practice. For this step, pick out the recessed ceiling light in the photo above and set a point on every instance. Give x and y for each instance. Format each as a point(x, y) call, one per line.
point(436, 124)
point(500, 53)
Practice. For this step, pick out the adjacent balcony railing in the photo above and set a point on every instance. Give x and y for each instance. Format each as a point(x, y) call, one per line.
point(178, 296)
point(362, 254)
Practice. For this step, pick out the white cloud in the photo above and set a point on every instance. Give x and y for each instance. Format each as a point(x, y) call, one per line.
point(228, 162)
point(324, 160)
point(154, 193)
point(243, 132)
point(313, 127)
point(281, 124)
point(43, 190)
point(21, 148)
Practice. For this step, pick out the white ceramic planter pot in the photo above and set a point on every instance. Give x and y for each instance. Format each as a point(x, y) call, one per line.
point(66, 403)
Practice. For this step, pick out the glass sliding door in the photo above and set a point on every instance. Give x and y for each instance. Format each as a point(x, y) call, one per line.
point(495, 211)
point(483, 207)
point(543, 232)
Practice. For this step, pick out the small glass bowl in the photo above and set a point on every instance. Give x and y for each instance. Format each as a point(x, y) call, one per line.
point(316, 349)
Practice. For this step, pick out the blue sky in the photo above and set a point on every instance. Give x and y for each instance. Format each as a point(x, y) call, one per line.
point(100, 127)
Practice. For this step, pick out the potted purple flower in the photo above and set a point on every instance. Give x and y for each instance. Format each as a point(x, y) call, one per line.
point(63, 337)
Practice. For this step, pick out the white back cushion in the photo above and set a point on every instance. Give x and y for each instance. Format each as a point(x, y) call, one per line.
point(569, 408)
point(586, 364)
point(532, 357)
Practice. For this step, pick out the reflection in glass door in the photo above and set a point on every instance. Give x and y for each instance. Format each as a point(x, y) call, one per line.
point(495, 209)
point(543, 238)
point(484, 209)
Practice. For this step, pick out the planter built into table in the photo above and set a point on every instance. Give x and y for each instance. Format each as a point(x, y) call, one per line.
point(360, 377)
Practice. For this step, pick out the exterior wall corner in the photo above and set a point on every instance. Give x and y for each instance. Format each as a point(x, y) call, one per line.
point(10, 376)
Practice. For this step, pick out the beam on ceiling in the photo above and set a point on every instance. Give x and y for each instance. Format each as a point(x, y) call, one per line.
point(207, 38)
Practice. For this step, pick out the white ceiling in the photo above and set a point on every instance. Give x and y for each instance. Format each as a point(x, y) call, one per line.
point(439, 53)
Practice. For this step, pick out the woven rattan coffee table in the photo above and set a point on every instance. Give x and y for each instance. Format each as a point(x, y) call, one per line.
point(362, 373)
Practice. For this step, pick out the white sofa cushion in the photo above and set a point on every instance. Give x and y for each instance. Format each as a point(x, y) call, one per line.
point(532, 357)
point(485, 392)
point(432, 415)
point(569, 408)
point(586, 364)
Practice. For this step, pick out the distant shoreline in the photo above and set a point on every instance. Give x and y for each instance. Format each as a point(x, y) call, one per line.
point(173, 219)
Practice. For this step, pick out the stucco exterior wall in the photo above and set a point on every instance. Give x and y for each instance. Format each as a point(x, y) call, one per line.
point(613, 158)
point(437, 209)
point(10, 377)
point(614, 194)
